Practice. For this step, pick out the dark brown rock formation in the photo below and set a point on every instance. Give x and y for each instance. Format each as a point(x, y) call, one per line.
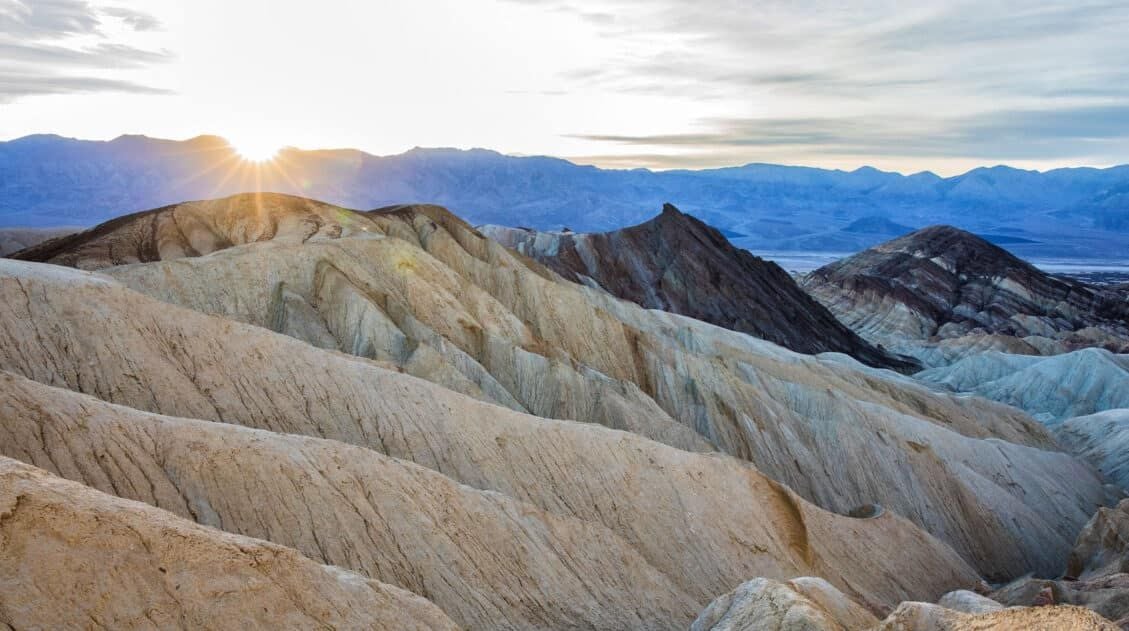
point(677, 263)
point(942, 283)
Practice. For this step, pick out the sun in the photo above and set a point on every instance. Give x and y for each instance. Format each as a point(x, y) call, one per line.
point(255, 149)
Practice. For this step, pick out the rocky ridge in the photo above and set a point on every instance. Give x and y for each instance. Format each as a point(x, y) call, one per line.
point(676, 263)
point(937, 290)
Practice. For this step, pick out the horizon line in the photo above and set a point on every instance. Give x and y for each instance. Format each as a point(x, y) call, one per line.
point(581, 161)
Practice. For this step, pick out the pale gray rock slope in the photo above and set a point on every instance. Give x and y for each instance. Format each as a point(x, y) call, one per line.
point(1102, 439)
point(72, 557)
point(429, 288)
point(966, 601)
point(1049, 388)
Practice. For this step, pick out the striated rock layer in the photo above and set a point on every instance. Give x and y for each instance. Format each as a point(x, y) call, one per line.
point(487, 560)
point(941, 283)
point(430, 297)
point(72, 557)
point(676, 263)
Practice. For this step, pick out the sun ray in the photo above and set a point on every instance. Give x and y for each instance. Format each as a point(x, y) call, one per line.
point(255, 149)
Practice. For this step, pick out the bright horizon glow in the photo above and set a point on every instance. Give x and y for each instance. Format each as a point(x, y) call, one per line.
point(255, 149)
point(917, 86)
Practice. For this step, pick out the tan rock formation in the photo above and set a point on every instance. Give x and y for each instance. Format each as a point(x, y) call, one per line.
point(446, 304)
point(699, 520)
point(807, 604)
point(72, 557)
point(488, 561)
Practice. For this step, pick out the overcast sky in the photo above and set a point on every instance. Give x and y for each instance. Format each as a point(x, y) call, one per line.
point(654, 83)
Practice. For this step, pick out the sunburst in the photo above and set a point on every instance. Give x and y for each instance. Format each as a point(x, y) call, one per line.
point(255, 149)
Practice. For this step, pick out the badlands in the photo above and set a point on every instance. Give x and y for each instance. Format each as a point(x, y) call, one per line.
point(268, 411)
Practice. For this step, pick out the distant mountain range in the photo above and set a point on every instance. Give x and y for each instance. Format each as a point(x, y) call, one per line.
point(1079, 212)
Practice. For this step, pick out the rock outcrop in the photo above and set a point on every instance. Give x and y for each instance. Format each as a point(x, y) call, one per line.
point(73, 557)
point(1095, 576)
point(928, 617)
point(677, 263)
point(427, 295)
point(1102, 548)
point(941, 283)
point(966, 601)
point(802, 603)
point(809, 604)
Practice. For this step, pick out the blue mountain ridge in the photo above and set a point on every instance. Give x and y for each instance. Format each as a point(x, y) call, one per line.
point(48, 180)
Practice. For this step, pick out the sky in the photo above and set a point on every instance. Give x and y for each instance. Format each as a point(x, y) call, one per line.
point(903, 86)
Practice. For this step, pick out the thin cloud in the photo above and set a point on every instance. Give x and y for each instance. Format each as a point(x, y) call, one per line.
point(14, 86)
point(38, 54)
point(137, 20)
point(1083, 131)
point(103, 55)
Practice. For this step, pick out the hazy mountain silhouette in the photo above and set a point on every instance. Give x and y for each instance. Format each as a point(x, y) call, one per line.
point(50, 181)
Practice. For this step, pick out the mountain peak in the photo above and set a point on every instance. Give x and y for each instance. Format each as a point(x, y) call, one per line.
point(959, 246)
point(944, 282)
point(676, 262)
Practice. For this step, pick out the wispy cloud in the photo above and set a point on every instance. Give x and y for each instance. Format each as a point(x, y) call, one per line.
point(14, 86)
point(58, 47)
point(137, 20)
point(1062, 132)
point(1013, 79)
